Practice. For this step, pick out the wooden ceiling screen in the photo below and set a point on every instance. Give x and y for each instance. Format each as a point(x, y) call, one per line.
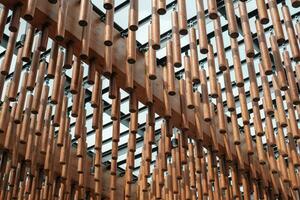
point(203, 151)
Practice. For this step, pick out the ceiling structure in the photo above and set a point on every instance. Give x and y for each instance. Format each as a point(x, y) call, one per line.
point(121, 13)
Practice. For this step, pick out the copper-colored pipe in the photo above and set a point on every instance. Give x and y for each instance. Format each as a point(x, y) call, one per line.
point(262, 12)
point(203, 42)
point(293, 177)
point(204, 177)
point(211, 177)
point(260, 151)
point(223, 174)
point(33, 68)
point(268, 106)
point(182, 17)
point(182, 149)
point(246, 29)
point(91, 72)
point(243, 104)
point(75, 105)
point(21, 99)
point(154, 28)
point(6, 62)
point(257, 119)
point(265, 57)
point(41, 111)
point(57, 78)
point(85, 40)
point(212, 72)
point(283, 169)
point(79, 125)
point(14, 85)
point(30, 140)
point(292, 122)
point(212, 9)
point(115, 107)
point(170, 69)
point(227, 148)
point(133, 103)
point(188, 83)
point(84, 13)
point(58, 108)
point(291, 78)
point(38, 87)
point(134, 122)
point(97, 87)
point(246, 186)
point(113, 88)
point(150, 120)
point(219, 44)
point(132, 142)
point(116, 130)
point(167, 137)
point(131, 47)
point(297, 26)
point(98, 132)
point(30, 10)
point(107, 71)
point(151, 58)
point(276, 21)
point(52, 61)
point(282, 82)
point(4, 114)
point(68, 60)
point(133, 15)
point(229, 93)
point(220, 110)
point(43, 38)
point(26, 120)
point(255, 189)
point(176, 40)
point(205, 100)
point(248, 139)
point(235, 129)
point(253, 82)
point(3, 18)
point(279, 102)
point(108, 4)
point(239, 79)
point(272, 160)
point(61, 19)
point(77, 73)
point(231, 17)
point(269, 130)
point(194, 56)
point(280, 139)
point(292, 151)
point(173, 175)
point(235, 182)
point(11, 128)
point(26, 55)
point(129, 77)
point(192, 165)
point(63, 122)
point(15, 19)
point(291, 32)
point(161, 7)
point(108, 34)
